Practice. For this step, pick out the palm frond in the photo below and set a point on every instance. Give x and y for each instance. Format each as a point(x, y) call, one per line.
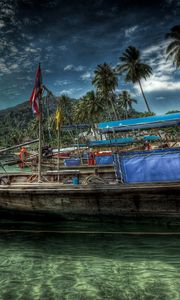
point(176, 60)
point(122, 68)
point(172, 46)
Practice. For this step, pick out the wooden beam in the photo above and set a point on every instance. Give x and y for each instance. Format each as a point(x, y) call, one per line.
point(18, 146)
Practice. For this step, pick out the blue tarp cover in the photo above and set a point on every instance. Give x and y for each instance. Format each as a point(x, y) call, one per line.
point(159, 166)
point(72, 162)
point(104, 160)
point(138, 123)
point(148, 152)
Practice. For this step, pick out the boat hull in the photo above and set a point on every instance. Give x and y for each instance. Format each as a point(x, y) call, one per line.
point(94, 201)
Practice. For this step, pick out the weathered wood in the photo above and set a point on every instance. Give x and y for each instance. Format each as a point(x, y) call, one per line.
point(78, 202)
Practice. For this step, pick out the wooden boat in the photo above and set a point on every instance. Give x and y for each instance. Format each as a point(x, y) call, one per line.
point(98, 195)
point(103, 191)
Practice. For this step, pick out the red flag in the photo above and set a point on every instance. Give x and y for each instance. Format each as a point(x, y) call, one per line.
point(37, 92)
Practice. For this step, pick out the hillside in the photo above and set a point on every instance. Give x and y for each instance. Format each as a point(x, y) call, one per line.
point(18, 124)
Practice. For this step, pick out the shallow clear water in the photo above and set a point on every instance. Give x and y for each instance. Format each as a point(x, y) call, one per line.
point(12, 169)
point(41, 264)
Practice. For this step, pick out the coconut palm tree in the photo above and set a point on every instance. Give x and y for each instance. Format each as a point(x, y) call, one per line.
point(95, 107)
point(125, 102)
point(66, 107)
point(80, 111)
point(173, 49)
point(106, 82)
point(88, 110)
point(134, 69)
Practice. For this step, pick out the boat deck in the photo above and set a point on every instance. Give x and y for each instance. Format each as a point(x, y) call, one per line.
point(114, 187)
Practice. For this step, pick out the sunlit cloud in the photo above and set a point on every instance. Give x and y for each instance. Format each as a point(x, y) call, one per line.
point(68, 68)
point(60, 83)
point(86, 76)
point(2, 24)
point(71, 91)
point(129, 31)
point(62, 47)
point(74, 68)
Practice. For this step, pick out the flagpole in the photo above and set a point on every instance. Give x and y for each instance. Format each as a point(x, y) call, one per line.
point(58, 165)
point(40, 139)
point(58, 137)
point(37, 109)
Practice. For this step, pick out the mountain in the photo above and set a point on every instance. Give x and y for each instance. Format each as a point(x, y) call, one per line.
point(18, 124)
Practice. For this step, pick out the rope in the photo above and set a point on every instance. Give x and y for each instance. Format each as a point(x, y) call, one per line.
point(94, 179)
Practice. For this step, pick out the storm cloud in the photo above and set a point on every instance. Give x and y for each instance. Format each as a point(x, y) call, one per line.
point(70, 38)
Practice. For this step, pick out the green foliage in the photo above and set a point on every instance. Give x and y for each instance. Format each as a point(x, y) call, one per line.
point(173, 49)
point(146, 114)
point(173, 112)
point(125, 101)
point(132, 66)
point(134, 69)
point(106, 81)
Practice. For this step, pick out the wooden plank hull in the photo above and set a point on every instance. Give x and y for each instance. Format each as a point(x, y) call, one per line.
point(98, 201)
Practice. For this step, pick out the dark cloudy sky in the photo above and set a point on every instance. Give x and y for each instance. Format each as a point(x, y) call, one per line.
point(70, 38)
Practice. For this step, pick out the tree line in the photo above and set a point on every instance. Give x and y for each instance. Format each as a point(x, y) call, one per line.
point(134, 70)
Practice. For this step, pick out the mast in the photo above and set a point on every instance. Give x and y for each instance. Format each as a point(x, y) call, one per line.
point(40, 139)
point(39, 96)
point(58, 117)
point(58, 162)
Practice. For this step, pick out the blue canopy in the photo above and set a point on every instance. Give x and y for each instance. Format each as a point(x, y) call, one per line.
point(111, 142)
point(123, 141)
point(140, 123)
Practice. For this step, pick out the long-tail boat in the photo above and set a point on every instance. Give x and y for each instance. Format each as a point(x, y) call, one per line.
point(135, 184)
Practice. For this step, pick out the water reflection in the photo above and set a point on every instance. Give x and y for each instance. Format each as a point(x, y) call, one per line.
point(41, 265)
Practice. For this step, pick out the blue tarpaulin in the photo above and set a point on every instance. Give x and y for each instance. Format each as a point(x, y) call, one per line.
point(72, 162)
point(104, 160)
point(140, 123)
point(159, 166)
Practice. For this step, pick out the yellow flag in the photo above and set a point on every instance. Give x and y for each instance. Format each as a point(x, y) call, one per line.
point(58, 118)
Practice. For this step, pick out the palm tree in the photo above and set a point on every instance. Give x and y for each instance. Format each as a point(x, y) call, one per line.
point(134, 69)
point(88, 109)
point(126, 102)
point(94, 106)
point(173, 49)
point(106, 82)
point(80, 111)
point(66, 107)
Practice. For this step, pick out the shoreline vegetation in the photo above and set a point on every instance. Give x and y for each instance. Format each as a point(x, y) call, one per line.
point(101, 104)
